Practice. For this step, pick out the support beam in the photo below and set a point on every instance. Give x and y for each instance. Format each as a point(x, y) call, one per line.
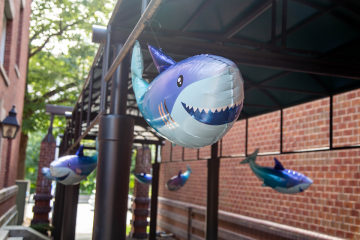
point(273, 23)
point(285, 89)
point(258, 58)
point(258, 10)
point(284, 23)
point(212, 206)
point(313, 18)
point(154, 195)
point(70, 209)
point(197, 14)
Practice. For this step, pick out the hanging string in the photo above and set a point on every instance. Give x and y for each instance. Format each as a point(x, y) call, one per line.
point(153, 31)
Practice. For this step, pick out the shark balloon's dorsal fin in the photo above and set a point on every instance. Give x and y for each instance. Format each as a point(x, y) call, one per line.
point(80, 151)
point(179, 175)
point(161, 60)
point(137, 68)
point(278, 165)
point(189, 169)
point(144, 173)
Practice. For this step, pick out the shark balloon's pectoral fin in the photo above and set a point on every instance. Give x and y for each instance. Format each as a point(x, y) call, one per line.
point(179, 175)
point(278, 165)
point(80, 151)
point(161, 60)
point(173, 144)
point(137, 67)
point(137, 61)
point(264, 185)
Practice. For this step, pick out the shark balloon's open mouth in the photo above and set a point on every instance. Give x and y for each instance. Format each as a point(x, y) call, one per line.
point(215, 116)
point(63, 177)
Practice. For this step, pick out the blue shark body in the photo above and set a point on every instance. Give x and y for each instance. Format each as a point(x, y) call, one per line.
point(176, 182)
point(47, 174)
point(70, 170)
point(280, 179)
point(192, 103)
point(143, 178)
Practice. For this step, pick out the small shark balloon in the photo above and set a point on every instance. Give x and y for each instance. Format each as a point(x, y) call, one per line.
point(46, 173)
point(192, 103)
point(143, 178)
point(70, 170)
point(176, 182)
point(280, 179)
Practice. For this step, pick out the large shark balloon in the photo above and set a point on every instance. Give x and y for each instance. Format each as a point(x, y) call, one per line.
point(280, 179)
point(70, 170)
point(192, 103)
point(143, 178)
point(47, 174)
point(176, 182)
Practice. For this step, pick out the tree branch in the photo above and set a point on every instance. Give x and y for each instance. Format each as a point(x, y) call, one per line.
point(38, 49)
point(57, 90)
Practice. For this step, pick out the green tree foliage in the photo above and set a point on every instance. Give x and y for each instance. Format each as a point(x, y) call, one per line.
point(59, 58)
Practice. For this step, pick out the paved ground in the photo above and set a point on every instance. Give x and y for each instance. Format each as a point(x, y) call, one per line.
point(84, 220)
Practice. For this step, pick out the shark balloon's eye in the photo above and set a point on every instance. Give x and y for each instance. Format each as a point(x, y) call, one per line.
point(180, 80)
point(69, 165)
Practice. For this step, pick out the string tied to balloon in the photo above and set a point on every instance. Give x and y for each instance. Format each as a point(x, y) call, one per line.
point(156, 31)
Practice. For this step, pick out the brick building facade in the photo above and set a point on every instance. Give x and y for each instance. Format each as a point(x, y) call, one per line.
point(329, 208)
point(14, 36)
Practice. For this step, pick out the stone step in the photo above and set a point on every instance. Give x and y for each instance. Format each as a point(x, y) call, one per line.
point(15, 238)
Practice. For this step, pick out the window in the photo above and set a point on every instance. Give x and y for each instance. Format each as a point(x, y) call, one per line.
point(3, 38)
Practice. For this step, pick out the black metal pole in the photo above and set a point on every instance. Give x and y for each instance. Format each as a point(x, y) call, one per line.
point(189, 223)
point(116, 133)
point(154, 196)
point(331, 123)
point(284, 23)
point(69, 214)
point(212, 206)
point(281, 129)
point(90, 97)
point(246, 136)
point(273, 22)
point(58, 211)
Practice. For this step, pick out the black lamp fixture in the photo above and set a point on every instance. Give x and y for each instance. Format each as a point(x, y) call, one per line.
point(10, 125)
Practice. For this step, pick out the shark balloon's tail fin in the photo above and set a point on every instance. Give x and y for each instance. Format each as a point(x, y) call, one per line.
point(250, 157)
point(189, 169)
point(137, 69)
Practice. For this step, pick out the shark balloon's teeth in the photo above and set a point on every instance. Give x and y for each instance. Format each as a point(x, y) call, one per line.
point(215, 116)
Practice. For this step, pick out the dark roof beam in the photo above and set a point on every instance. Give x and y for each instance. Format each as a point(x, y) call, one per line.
point(286, 89)
point(258, 10)
point(313, 18)
point(344, 19)
point(196, 15)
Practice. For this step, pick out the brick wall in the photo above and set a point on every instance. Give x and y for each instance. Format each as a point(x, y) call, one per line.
point(346, 119)
point(330, 206)
point(264, 132)
point(306, 126)
point(17, 43)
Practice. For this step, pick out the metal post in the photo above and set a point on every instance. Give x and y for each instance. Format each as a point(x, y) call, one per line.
point(331, 123)
point(246, 136)
point(58, 211)
point(284, 23)
point(81, 113)
point(281, 129)
point(105, 67)
point(90, 97)
point(273, 22)
point(212, 206)
point(189, 222)
point(70, 209)
point(118, 87)
point(154, 196)
point(116, 133)
point(144, 4)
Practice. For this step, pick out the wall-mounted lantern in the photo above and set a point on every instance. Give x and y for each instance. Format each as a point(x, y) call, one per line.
point(10, 125)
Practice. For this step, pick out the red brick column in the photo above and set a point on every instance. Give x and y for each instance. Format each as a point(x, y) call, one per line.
point(43, 188)
point(140, 208)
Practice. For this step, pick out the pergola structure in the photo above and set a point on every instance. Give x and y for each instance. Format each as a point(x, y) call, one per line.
point(288, 51)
